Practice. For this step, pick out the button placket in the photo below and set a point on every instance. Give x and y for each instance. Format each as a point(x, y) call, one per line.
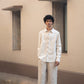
point(47, 45)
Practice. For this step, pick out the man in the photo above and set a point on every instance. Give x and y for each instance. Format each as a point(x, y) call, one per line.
point(49, 52)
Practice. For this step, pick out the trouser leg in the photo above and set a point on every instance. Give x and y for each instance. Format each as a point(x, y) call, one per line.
point(41, 72)
point(52, 73)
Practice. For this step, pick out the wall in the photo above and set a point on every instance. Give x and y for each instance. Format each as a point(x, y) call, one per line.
point(31, 23)
point(74, 60)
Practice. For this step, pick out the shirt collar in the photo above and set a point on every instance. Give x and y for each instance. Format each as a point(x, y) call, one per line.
point(52, 30)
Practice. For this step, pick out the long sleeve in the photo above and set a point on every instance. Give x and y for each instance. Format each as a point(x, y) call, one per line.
point(58, 48)
point(39, 43)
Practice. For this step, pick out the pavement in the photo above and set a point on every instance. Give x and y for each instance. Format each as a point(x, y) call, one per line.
point(7, 78)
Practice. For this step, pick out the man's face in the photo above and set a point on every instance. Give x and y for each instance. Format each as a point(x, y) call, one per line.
point(49, 22)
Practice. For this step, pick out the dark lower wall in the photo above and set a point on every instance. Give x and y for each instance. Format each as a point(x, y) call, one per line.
point(64, 77)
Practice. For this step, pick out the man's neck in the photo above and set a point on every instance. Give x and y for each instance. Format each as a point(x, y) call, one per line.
point(48, 28)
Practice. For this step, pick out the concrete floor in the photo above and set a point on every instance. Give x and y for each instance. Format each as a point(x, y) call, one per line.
point(6, 78)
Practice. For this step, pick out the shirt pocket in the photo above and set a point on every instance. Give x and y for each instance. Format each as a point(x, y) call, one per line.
point(53, 37)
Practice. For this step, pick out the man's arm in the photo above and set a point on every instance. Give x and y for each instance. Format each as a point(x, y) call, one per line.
point(39, 43)
point(58, 48)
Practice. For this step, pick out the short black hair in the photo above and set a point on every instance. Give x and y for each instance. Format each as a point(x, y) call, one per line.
point(48, 17)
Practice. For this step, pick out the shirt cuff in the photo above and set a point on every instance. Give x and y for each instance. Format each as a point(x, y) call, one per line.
point(58, 59)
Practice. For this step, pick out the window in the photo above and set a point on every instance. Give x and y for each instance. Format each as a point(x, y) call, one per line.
point(16, 30)
point(16, 26)
point(65, 27)
point(59, 11)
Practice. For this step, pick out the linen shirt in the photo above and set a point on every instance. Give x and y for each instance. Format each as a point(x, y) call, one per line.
point(49, 45)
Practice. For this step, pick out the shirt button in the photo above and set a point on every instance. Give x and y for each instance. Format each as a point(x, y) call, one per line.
point(47, 41)
point(47, 46)
point(47, 37)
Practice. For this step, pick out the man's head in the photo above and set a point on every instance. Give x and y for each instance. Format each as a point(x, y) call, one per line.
point(48, 20)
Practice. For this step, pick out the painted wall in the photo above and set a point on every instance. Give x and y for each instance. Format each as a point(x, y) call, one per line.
point(31, 23)
point(74, 59)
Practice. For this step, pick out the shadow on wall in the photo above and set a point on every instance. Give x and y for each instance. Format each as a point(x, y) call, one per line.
point(66, 77)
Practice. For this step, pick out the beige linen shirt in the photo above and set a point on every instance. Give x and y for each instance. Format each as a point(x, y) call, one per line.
point(49, 45)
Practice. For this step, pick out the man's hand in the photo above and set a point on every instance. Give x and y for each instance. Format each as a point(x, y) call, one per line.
point(57, 63)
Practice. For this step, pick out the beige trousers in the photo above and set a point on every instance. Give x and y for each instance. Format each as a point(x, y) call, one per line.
point(49, 77)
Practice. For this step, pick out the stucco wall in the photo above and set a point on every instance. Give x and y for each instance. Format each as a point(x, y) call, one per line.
point(74, 60)
point(32, 15)
point(32, 22)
